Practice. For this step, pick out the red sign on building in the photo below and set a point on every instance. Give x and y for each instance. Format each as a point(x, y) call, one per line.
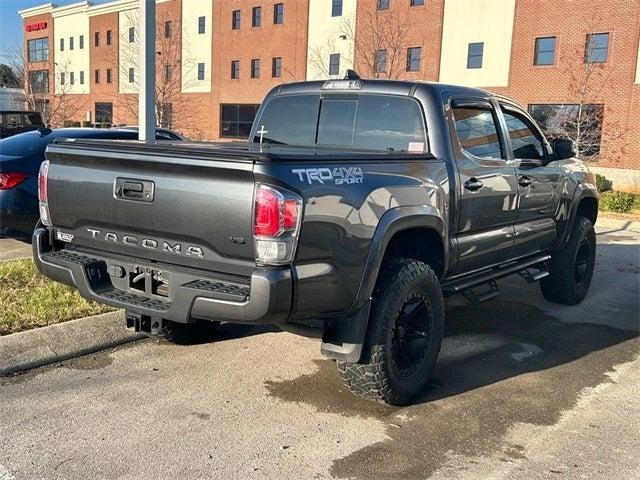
point(30, 27)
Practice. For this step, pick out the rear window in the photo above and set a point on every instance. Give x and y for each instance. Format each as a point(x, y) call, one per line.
point(374, 122)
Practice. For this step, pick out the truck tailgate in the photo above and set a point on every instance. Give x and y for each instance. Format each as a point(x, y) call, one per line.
point(190, 210)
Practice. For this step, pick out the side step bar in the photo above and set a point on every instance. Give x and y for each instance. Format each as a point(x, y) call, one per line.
point(531, 269)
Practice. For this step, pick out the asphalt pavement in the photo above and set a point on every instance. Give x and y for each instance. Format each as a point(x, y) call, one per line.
point(523, 389)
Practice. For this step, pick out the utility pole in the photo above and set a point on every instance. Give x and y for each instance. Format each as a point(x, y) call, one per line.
point(147, 93)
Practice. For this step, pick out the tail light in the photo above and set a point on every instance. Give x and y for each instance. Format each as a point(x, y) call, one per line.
point(276, 225)
point(43, 196)
point(10, 180)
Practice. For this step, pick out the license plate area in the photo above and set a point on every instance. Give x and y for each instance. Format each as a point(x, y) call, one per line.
point(149, 281)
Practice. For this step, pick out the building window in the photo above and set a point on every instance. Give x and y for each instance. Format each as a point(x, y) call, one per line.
point(256, 16)
point(235, 20)
point(255, 68)
point(168, 71)
point(70, 43)
point(96, 75)
point(109, 77)
point(413, 59)
point(72, 78)
point(39, 81)
point(132, 75)
point(545, 51)
point(276, 67)
point(96, 39)
point(336, 8)
point(582, 125)
point(278, 13)
point(597, 48)
point(104, 113)
point(201, 24)
point(38, 50)
point(383, 4)
point(62, 44)
point(82, 77)
point(415, 3)
point(81, 42)
point(334, 64)
point(168, 29)
point(132, 34)
point(236, 120)
point(235, 69)
point(474, 55)
point(61, 78)
point(108, 37)
point(201, 71)
point(381, 61)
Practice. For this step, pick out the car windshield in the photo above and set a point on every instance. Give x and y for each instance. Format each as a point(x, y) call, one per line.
point(372, 122)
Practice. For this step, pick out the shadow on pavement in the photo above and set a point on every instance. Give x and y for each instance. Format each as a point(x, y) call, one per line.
point(502, 363)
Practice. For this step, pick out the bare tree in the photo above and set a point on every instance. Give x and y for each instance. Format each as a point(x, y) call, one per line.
point(380, 47)
point(174, 108)
point(381, 35)
point(45, 93)
point(581, 119)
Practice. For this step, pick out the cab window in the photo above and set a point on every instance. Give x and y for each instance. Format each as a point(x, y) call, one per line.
point(359, 121)
point(477, 131)
point(525, 140)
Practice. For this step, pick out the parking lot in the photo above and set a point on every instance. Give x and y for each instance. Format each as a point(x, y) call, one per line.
point(523, 389)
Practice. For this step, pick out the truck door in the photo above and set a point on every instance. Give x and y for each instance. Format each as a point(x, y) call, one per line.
point(538, 183)
point(487, 186)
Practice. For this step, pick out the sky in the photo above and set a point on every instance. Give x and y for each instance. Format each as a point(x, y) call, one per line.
point(11, 23)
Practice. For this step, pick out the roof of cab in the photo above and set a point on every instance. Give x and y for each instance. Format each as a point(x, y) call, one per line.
point(397, 87)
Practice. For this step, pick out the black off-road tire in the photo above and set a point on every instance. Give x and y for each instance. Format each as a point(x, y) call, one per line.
point(564, 284)
point(188, 333)
point(379, 375)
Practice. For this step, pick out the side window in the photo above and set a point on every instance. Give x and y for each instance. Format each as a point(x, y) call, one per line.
point(12, 120)
point(526, 142)
point(477, 131)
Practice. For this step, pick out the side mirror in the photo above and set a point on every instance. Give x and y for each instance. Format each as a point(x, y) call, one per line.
point(563, 148)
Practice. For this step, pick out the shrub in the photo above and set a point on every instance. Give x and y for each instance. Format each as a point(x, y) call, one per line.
point(105, 125)
point(70, 123)
point(603, 184)
point(619, 202)
point(86, 123)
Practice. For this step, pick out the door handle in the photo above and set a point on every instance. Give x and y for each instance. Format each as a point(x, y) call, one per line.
point(525, 181)
point(473, 184)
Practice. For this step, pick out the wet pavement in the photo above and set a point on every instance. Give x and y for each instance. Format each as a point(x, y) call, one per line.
point(523, 389)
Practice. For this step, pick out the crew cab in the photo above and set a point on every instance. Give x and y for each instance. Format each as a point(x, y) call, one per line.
point(354, 208)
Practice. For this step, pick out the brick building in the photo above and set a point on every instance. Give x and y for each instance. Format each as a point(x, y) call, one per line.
point(217, 58)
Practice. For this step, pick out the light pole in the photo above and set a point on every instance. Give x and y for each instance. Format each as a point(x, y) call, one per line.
point(146, 95)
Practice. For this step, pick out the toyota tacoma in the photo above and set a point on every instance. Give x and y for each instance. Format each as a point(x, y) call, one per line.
point(355, 207)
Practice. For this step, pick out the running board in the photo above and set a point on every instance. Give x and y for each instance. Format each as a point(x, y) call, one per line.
point(476, 298)
point(521, 266)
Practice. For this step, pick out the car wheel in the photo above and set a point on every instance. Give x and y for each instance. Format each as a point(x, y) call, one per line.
point(404, 334)
point(571, 267)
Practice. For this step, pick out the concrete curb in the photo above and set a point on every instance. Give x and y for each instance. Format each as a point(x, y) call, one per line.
point(54, 343)
point(614, 223)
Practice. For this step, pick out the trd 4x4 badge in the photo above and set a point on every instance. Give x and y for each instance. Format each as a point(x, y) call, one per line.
point(337, 176)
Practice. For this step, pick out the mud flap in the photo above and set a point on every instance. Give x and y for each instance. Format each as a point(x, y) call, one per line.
point(343, 338)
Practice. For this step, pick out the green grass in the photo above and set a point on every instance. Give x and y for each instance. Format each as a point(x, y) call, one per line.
point(29, 300)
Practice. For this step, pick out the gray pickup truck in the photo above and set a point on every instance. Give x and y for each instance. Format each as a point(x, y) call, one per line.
point(354, 209)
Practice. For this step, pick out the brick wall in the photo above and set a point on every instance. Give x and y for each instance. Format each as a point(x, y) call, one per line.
point(570, 21)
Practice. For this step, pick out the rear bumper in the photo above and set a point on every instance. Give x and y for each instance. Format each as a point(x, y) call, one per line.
point(264, 298)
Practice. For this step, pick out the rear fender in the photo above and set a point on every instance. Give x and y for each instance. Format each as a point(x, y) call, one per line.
point(343, 338)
